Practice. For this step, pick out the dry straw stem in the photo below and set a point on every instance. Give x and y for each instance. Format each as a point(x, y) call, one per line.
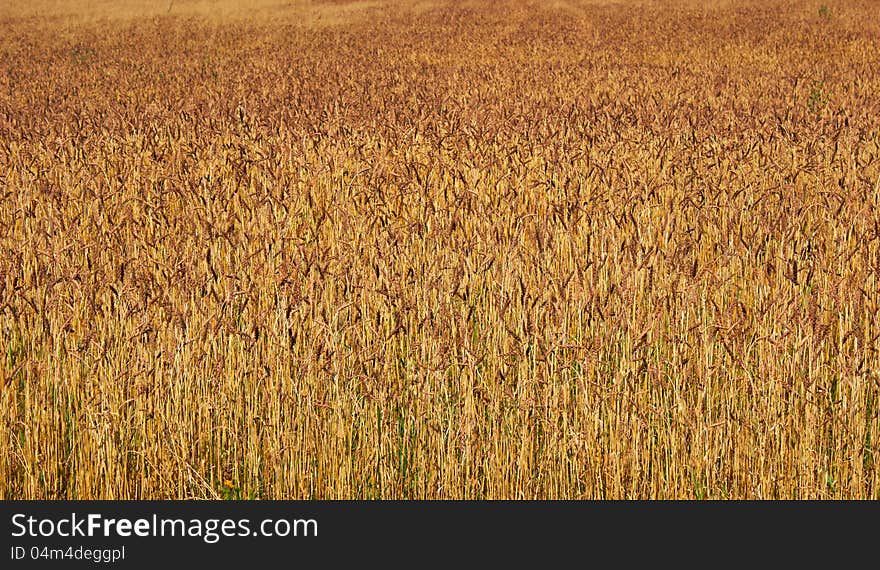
point(440, 250)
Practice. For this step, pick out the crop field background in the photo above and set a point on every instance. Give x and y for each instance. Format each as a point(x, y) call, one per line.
point(437, 249)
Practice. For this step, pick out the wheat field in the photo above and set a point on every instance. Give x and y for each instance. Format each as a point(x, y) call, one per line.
point(437, 250)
